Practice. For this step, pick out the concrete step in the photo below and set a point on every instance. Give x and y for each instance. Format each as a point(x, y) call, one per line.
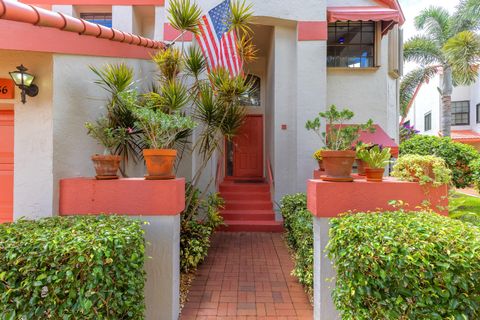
point(255, 196)
point(244, 187)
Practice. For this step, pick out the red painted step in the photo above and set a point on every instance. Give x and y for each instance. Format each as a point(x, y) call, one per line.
point(255, 196)
point(257, 215)
point(248, 207)
point(252, 226)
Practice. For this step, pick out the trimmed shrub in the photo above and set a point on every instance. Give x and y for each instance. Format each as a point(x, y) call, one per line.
point(298, 222)
point(72, 268)
point(398, 265)
point(199, 221)
point(475, 167)
point(457, 156)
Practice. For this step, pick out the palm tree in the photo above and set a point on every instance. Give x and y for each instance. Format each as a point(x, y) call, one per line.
point(448, 46)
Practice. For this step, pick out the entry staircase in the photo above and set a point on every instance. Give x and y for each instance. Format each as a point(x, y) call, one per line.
point(248, 206)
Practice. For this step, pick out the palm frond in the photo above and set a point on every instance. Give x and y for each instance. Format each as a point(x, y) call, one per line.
point(169, 63)
point(195, 63)
point(184, 15)
point(422, 50)
point(410, 82)
point(114, 78)
point(227, 88)
point(241, 16)
point(246, 49)
point(435, 22)
point(463, 54)
point(233, 121)
point(174, 96)
point(467, 16)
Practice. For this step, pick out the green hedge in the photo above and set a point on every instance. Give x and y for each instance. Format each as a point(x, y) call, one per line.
point(72, 268)
point(298, 223)
point(458, 156)
point(398, 265)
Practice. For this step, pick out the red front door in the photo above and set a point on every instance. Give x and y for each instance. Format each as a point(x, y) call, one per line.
point(248, 149)
point(6, 165)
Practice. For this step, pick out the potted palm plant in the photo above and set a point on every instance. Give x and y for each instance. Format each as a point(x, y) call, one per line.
point(338, 156)
point(376, 158)
point(108, 163)
point(361, 165)
point(160, 132)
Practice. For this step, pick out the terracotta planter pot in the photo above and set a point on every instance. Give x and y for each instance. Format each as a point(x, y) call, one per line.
point(160, 163)
point(320, 165)
point(338, 165)
point(106, 166)
point(361, 166)
point(374, 175)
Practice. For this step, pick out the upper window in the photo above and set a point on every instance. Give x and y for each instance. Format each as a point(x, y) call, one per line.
point(428, 121)
point(253, 97)
point(351, 44)
point(478, 113)
point(104, 19)
point(460, 113)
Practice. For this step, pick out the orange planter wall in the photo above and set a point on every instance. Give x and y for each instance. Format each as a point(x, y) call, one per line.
point(329, 199)
point(135, 197)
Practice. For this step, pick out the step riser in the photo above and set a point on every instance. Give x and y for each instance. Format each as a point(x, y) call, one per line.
point(263, 196)
point(242, 216)
point(252, 228)
point(248, 206)
point(244, 189)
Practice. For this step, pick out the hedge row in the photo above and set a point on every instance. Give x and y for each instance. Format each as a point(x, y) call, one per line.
point(298, 223)
point(398, 265)
point(72, 268)
point(459, 157)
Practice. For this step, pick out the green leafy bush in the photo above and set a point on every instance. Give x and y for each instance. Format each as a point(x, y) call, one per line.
point(424, 169)
point(399, 265)
point(199, 221)
point(457, 156)
point(72, 268)
point(475, 167)
point(298, 223)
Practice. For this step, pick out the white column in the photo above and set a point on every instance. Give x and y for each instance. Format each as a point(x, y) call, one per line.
point(123, 19)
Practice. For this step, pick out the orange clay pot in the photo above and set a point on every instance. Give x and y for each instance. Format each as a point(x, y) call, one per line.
point(160, 163)
point(338, 165)
point(320, 165)
point(361, 166)
point(106, 166)
point(374, 175)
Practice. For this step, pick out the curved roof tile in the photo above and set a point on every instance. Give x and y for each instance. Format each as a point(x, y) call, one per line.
point(20, 12)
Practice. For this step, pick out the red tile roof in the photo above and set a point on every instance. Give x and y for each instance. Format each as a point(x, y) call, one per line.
point(465, 136)
point(20, 12)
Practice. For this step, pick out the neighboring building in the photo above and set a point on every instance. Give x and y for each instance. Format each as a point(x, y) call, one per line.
point(312, 53)
point(425, 112)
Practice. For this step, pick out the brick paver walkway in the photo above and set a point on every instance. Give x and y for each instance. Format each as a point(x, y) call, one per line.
point(247, 276)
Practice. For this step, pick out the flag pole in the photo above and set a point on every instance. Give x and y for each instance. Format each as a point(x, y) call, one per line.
point(176, 39)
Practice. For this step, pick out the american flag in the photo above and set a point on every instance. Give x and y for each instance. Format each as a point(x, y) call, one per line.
point(219, 45)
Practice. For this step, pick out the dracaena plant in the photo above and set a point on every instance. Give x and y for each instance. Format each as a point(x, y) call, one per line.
point(338, 135)
point(376, 157)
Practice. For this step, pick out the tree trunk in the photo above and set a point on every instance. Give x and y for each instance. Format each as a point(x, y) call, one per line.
point(447, 88)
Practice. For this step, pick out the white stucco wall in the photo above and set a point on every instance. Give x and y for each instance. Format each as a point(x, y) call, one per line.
point(33, 180)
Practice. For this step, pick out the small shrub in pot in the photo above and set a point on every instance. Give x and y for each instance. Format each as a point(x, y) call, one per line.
point(376, 159)
point(422, 169)
point(108, 163)
point(338, 138)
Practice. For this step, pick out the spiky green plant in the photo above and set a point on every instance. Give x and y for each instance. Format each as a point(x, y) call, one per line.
point(184, 15)
point(449, 46)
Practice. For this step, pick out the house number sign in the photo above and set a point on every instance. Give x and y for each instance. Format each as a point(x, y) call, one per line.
point(7, 89)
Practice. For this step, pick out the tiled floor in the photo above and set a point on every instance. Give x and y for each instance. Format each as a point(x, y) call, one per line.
point(247, 276)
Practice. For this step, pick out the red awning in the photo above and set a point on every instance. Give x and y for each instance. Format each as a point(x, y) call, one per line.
point(388, 16)
point(465, 136)
point(379, 136)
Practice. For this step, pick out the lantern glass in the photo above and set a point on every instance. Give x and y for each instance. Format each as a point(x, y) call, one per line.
point(17, 78)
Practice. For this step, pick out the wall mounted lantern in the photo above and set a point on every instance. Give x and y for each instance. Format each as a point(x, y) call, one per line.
point(24, 80)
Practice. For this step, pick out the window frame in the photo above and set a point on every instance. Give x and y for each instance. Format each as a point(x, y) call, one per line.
point(478, 113)
point(84, 16)
point(429, 115)
point(455, 113)
point(375, 44)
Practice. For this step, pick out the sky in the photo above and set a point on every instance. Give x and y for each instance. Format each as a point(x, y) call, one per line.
point(412, 8)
